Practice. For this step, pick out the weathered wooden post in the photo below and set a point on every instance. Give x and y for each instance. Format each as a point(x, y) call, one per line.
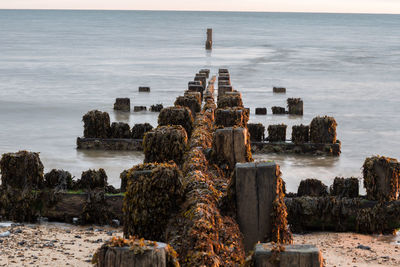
point(381, 178)
point(295, 106)
point(209, 39)
point(258, 185)
point(231, 145)
point(292, 255)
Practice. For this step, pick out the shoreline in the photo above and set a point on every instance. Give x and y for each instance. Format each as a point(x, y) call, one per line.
point(52, 244)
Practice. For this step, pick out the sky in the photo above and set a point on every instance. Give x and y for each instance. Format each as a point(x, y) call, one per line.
point(332, 6)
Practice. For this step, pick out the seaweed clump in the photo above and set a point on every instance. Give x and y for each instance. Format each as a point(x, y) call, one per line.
point(381, 178)
point(277, 133)
point(280, 230)
point(140, 129)
point(312, 188)
point(146, 216)
point(120, 130)
point(165, 143)
point(323, 130)
point(96, 124)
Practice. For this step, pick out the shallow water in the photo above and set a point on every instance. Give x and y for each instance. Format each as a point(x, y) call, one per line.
point(57, 65)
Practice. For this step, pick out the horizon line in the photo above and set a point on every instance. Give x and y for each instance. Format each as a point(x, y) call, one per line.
point(188, 10)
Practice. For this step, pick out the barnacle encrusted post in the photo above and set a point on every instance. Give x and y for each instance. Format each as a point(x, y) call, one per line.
point(381, 178)
point(323, 130)
point(154, 193)
point(261, 210)
point(165, 143)
point(177, 116)
point(96, 124)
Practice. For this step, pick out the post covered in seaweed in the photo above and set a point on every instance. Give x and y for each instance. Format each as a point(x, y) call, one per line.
point(277, 133)
point(96, 124)
point(323, 130)
point(177, 116)
point(165, 143)
point(381, 178)
point(151, 199)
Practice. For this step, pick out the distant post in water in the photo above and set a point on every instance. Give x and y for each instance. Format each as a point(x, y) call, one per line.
point(209, 39)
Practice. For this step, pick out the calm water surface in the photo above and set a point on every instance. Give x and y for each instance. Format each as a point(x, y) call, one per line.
point(57, 65)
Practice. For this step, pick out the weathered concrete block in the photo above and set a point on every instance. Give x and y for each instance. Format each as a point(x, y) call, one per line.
point(231, 145)
point(256, 189)
point(139, 108)
point(143, 256)
point(144, 89)
point(278, 110)
point(230, 117)
point(323, 130)
point(21, 170)
point(122, 104)
point(256, 131)
point(293, 255)
point(300, 134)
point(261, 111)
point(279, 90)
point(295, 106)
point(277, 133)
point(381, 178)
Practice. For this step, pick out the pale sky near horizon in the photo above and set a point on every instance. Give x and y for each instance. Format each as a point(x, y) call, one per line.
point(340, 6)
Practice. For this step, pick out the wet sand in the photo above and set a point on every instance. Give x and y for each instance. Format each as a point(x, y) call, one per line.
point(69, 245)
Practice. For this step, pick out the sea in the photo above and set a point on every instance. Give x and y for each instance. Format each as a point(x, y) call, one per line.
point(57, 65)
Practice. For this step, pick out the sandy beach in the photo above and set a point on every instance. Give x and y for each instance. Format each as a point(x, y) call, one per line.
point(70, 245)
